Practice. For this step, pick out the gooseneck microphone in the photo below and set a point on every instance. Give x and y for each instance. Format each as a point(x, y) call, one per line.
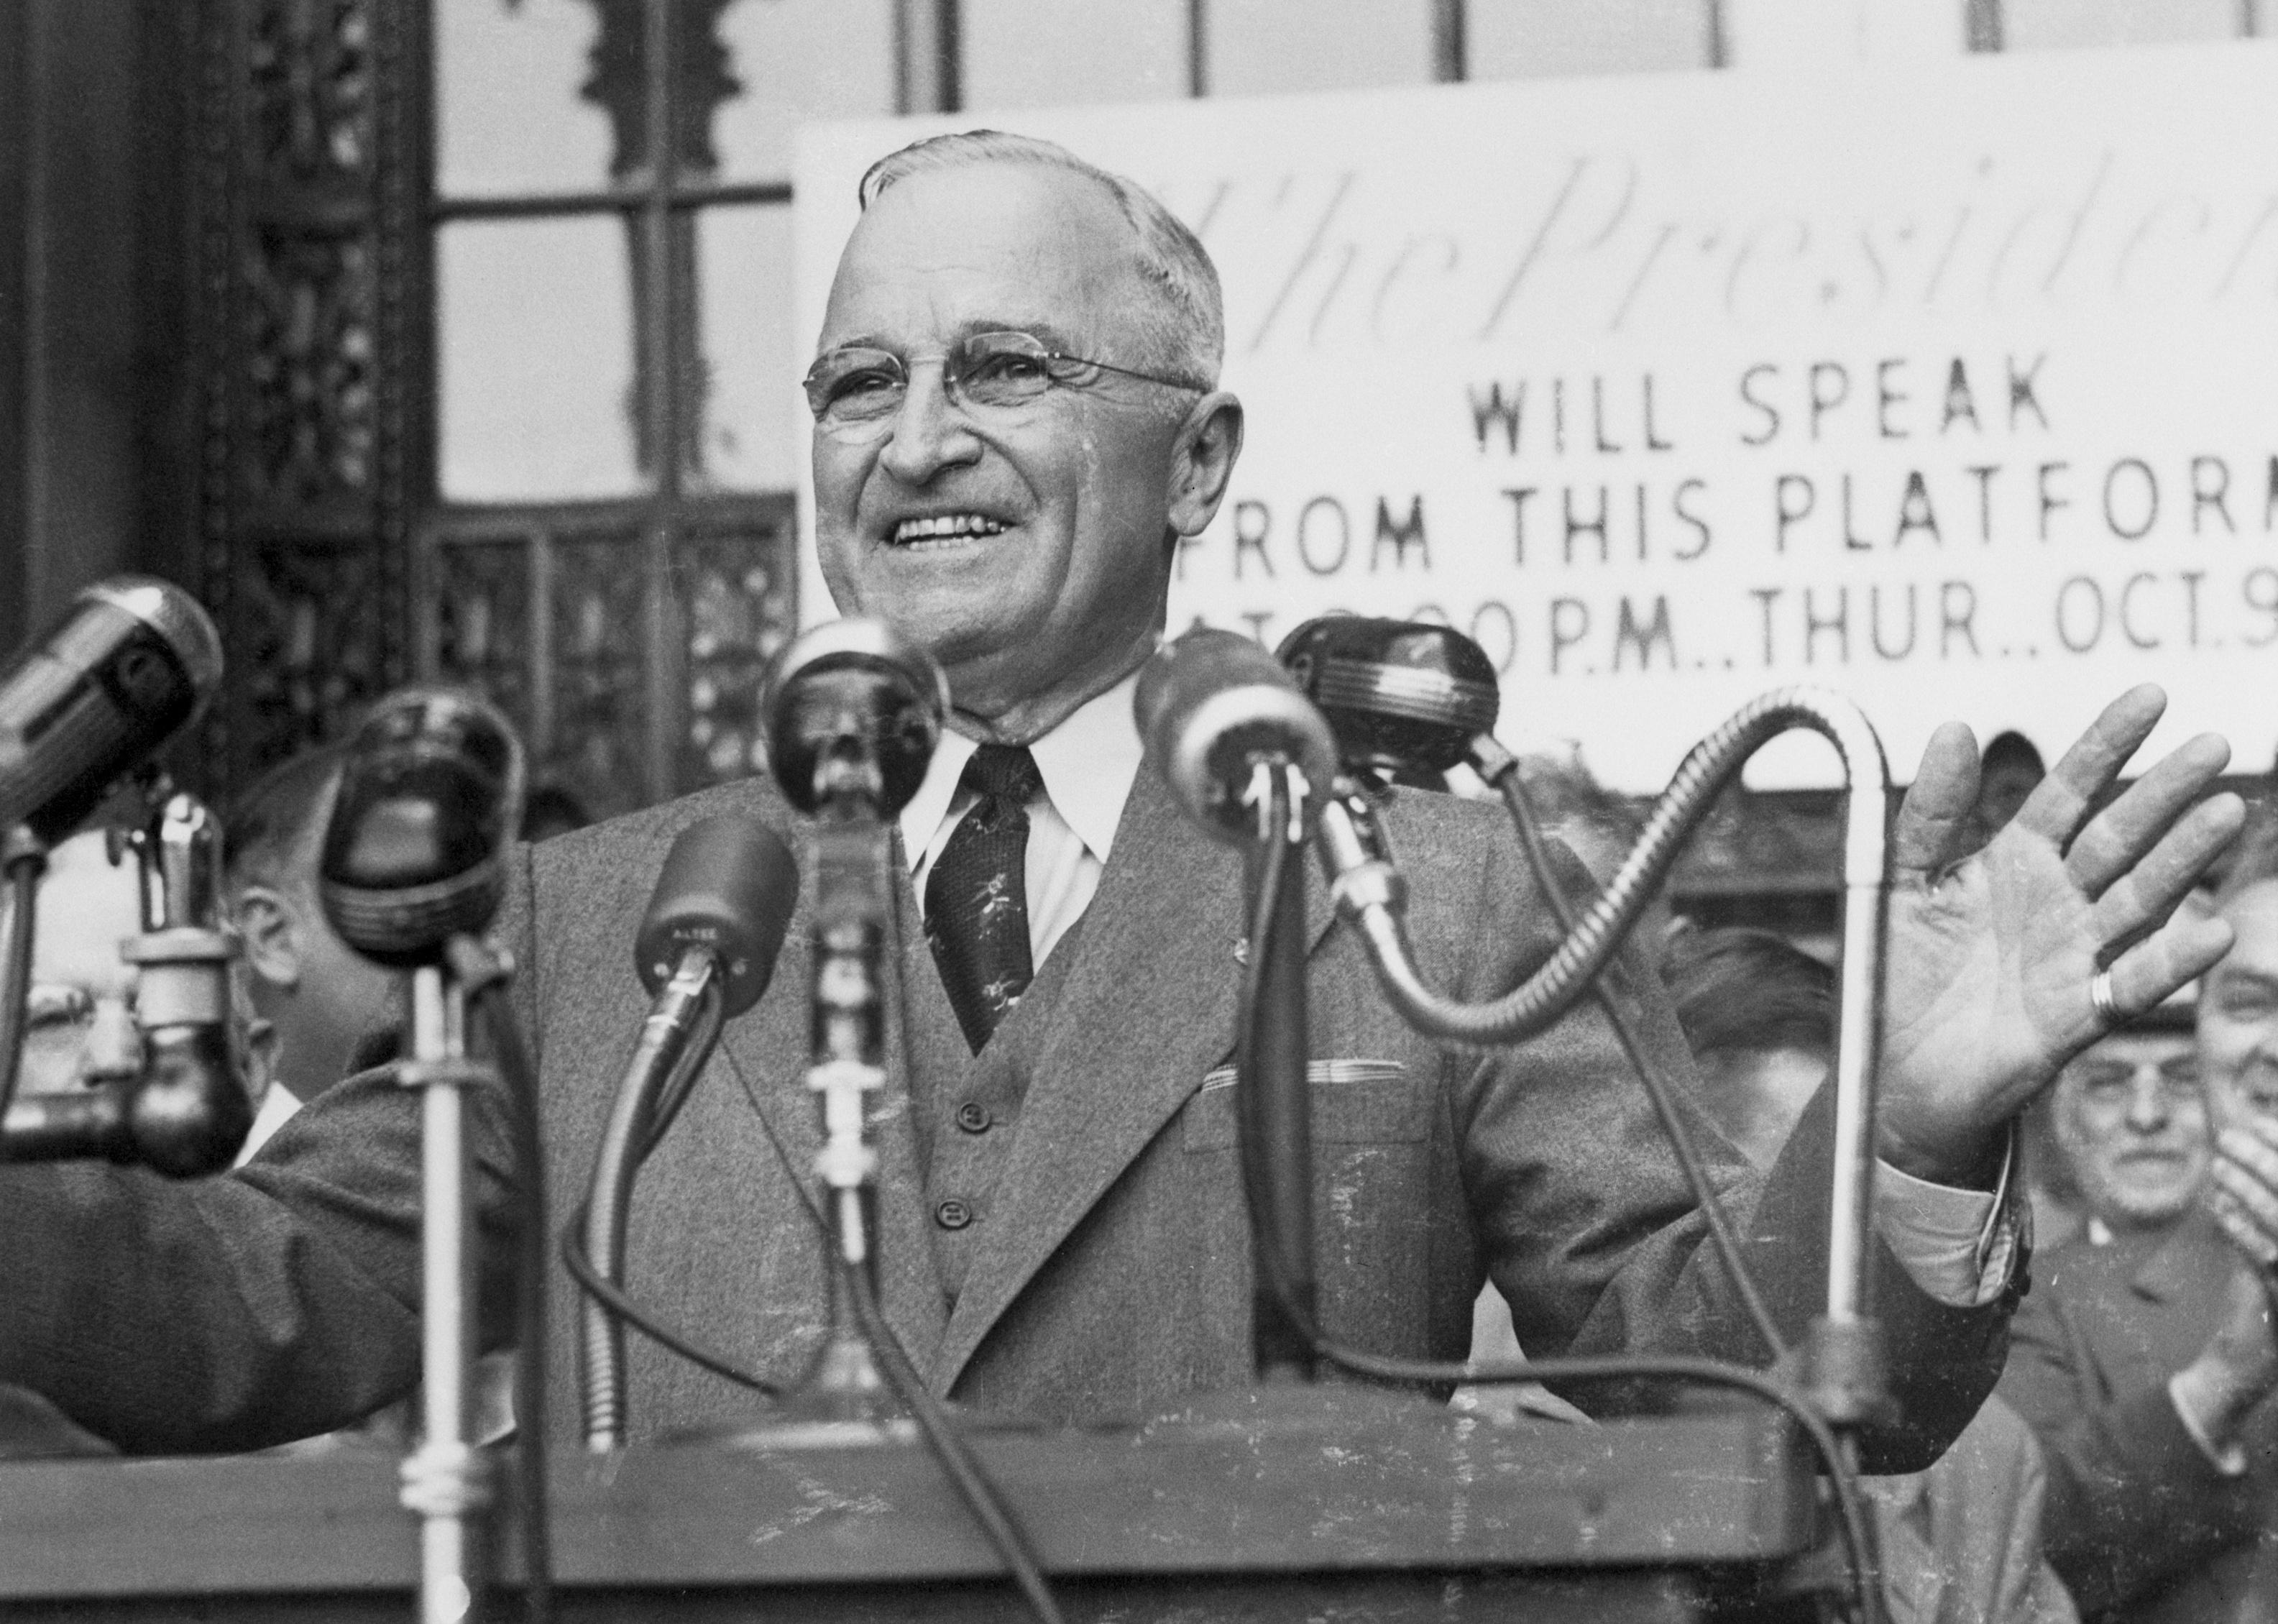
point(852, 711)
point(1214, 710)
point(1252, 761)
point(429, 802)
point(132, 662)
point(706, 950)
point(1402, 695)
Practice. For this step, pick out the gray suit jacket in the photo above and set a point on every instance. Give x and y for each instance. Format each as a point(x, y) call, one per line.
point(2139, 1524)
point(1108, 1270)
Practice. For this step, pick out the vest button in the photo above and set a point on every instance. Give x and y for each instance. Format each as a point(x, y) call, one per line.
point(974, 1117)
point(952, 1213)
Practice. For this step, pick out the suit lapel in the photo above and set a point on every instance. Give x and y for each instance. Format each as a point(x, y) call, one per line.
point(2151, 1319)
point(1146, 1011)
point(770, 1048)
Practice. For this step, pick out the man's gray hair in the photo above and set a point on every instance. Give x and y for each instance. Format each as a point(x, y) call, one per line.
point(1188, 339)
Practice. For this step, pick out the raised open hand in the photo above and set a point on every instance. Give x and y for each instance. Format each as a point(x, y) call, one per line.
point(1991, 959)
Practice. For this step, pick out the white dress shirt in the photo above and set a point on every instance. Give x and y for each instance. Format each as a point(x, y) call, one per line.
point(1957, 1244)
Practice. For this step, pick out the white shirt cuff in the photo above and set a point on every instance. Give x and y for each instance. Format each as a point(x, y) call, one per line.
point(1960, 1245)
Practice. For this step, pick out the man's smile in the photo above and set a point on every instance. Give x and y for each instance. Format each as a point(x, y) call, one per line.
point(941, 529)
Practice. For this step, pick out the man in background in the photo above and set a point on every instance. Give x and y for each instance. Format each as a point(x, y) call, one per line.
point(2144, 1355)
point(319, 995)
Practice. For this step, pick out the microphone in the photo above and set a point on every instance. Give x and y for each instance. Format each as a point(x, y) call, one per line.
point(1401, 695)
point(727, 889)
point(186, 1112)
point(852, 712)
point(1214, 708)
point(133, 662)
point(430, 799)
point(705, 950)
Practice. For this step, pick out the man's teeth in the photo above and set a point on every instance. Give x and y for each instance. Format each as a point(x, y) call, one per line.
point(944, 525)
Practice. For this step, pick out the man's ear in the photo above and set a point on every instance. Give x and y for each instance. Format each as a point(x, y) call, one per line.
point(270, 925)
point(1203, 461)
point(260, 1058)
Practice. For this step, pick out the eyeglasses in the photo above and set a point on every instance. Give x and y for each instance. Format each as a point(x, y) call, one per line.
point(855, 392)
point(2112, 1082)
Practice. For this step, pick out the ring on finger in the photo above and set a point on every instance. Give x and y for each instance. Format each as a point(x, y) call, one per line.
point(2100, 998)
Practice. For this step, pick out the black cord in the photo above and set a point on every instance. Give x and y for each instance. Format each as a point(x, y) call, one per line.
point(1656, 1085)
point(505, 1036)
point(16, 971)
point(980, 1496)
point(581, 1269)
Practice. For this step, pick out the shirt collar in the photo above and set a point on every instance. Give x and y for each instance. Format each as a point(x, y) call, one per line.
point(1088, 764)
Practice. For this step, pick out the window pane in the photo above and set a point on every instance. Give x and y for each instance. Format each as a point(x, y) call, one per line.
point(536, 360)
point(755, 430)
point(1526, 39)
point(508, 114)
point(1041, 53)
point(1257, 45)
point(2027, 25)
point(799, 60)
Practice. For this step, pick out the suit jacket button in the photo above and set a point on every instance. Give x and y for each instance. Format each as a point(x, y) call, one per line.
point(952, 1213)
point(974, 1117)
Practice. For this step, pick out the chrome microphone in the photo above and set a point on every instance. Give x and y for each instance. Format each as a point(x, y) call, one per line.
point(1401, 695)
point(852, 711)
point(429, 802)
point(132, 662)
point(1214, 710)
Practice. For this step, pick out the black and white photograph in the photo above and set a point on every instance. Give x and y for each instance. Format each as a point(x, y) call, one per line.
point(1604, 671)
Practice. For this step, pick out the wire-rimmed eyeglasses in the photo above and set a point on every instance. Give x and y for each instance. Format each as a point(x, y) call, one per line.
point(856, 390)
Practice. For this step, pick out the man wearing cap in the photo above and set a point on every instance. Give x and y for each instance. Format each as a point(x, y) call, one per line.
point(2144, 1355)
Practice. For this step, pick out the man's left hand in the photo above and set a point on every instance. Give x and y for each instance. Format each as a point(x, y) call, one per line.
point(1991, 959)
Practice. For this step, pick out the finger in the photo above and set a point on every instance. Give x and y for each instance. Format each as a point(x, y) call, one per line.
point(2250, 1146)
point(2117, 836)
point(2147, 894)
point(2259, 1247)
point(2251, 1204)
point(2061, 799)
point(2179, 951)
point(1938, 802)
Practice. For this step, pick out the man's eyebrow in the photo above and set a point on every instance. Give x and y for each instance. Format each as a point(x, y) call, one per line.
point(1051, 336)
point(2248, 980)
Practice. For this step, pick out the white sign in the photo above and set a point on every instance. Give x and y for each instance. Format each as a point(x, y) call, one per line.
point(1954, 388)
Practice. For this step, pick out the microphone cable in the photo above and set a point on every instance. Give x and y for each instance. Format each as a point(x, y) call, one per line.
point(483, 973)
point(1866, 1594)
point(1656, 1083)
point(974, 1485)
point(575, 1259)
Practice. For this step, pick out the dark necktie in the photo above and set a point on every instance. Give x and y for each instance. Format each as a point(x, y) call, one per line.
point(977, 895)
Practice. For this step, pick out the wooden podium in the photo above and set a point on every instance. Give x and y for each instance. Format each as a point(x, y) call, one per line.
point(1333, 1503)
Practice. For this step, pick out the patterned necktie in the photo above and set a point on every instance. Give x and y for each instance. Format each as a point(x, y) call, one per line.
point(977, 895)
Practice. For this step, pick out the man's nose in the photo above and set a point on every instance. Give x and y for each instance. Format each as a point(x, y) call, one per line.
point(930, 433)
point(2148, 1106)
point(114, 1043)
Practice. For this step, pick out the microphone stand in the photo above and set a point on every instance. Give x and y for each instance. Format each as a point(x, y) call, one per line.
point(675, 1040)
point(849, 1032)
point(1274, 1110)
point(446, 1482)
point(23, 859)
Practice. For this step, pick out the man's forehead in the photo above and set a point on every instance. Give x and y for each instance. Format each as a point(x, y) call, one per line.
point(982, 246)
point(87, 906)
point(2135, 1049)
